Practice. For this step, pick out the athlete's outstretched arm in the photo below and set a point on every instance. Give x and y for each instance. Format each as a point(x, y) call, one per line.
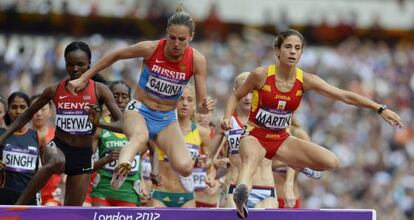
point(314, 82)
point(44, 98)
point(255, 80)
point(142, 49)
point(204, 103)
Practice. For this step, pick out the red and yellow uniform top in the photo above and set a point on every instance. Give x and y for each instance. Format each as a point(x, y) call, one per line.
point(273, 109)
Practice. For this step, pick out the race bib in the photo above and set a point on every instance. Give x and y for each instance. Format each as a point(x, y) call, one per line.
point(135, 165)
point(199, 177)
point(74, 123)
point(194, 150)
point(21, 160)
point(234, 140)
point(275, 120)
point(146, 168)
point(163, 87)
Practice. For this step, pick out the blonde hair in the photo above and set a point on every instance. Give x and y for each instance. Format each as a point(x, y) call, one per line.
point(240, 79)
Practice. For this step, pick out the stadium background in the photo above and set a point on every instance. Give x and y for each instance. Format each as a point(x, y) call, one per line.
point(366, 46)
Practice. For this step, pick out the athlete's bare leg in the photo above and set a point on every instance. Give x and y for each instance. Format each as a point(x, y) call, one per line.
point(268, 203)
point(76, 187)
point(252, 154)
point(171, 141)
point(298, 153)
point(157, 203)
point(136, 130)
point(189, 204)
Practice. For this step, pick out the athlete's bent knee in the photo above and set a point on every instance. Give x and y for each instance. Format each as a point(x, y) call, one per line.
point(184, 168)
point(138, 139)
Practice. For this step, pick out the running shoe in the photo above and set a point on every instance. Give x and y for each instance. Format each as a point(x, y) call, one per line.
point(312, 173)
point(120, 174)
point(240, 196)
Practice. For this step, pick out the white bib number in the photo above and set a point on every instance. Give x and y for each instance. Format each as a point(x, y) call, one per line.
point(273, 120)
point(164, 87)
point(135, 164)
point(19, 161)
point(199, 177)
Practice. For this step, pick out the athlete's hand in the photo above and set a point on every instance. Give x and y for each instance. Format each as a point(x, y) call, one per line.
point(123, 168)
point(94, 114)
point(211, 176)
point(222, 162)
point(144, 192)
point(75, 85)
point(392, 118)
point(225, 123)
point(155, 179)
point(289, 197)
point(215, 186)
point(114, 155)
point(201, 161)
point(207, 105)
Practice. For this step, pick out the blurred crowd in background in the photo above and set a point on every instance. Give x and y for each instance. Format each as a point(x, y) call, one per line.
point(377, 170)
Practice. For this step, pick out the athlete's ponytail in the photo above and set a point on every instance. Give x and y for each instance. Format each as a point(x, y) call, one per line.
point(181, 17)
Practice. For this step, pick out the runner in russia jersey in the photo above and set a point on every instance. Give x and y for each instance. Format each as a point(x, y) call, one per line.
point(165, 79)
point(72, 110)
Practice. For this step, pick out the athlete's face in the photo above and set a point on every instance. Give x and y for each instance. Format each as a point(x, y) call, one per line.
point(120, 92)
point(42, 117)
point(178, 38)
point(185, 106)
point(244, 103)
point(17, 107)
point(290, 51)
point(77, 62)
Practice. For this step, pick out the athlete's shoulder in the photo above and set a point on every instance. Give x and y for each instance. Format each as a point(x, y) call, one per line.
point(50, 91)
point(149, 44)
point(145, 48)
point(259, 73)
point(198, 56)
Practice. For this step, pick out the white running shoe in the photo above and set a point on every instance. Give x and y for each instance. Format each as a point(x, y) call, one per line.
point(187, 183)
point(312, 173)
point(120, 174)
point(117, 180)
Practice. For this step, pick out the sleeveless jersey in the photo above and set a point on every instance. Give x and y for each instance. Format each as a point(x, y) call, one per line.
point(109, 140)
point(21, 156)
point(234, 134)
point(165, 79)
point(273, 109)
point(72, 110)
